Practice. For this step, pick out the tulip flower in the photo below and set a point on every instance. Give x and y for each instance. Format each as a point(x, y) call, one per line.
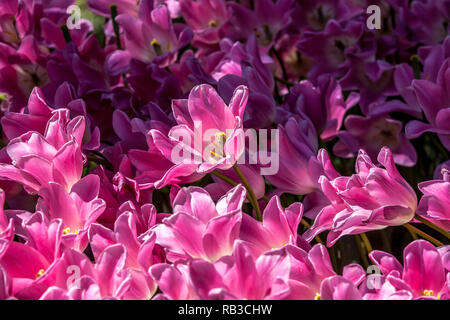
point(56, 156)
point(373, 133)
point(209, 134)
point(434, 203)
point(371, 199)
point(216, 225)
point(424, 271)
point(434, 99)
point(277, 229)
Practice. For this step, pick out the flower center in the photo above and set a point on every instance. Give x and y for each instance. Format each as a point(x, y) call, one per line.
point(156, 46)
point(219, 143)
point(264, 35)
point(428, 293)
point(67, 231)
point(40, 273)
point(317, 297)
point(212, 23)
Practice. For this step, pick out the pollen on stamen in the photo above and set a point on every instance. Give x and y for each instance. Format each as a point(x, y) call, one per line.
point(215, 154)
point(155, 42)
point(156, 45)
point(221, 134)
point(317, 297)
point(40, 273)
point(428, 293)
point(212, 23)
point(68, 230)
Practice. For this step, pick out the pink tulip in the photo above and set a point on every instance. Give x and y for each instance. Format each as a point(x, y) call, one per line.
point(173, 280)
point(25, 268)
point(141, 253)
point(152, 36)
point(278, 228)
point(74, 276)
point(240, 276)
point(6, 226)
point(385, 288)
point(198, 228)
point(339, 288)
point(371, 199)
point(205, 17)
point(77, 209)
point(309, 269)
point(44, 235)
point(211, 133)
point(106, 279)
point(4, 285)
point(435, 203)
point(15, 124)
point(55, 156)
point(155, 167)
point(424, 272)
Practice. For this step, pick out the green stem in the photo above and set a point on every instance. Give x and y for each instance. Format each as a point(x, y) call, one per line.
point(423, 234)
point(251, 193)
point(224, 178)
point(232, 182)
point(280, 61)
point(334, 260)
point(386, 242)
point(100, 158)
point(412, 233)
point(287, 83)
point(432, 226)
point(307, 225)
point(113, 9)
point(366, 242)
point(362, 253)
point(101, 161)
point(66, 33)
point(415, 61)
point(438, 144)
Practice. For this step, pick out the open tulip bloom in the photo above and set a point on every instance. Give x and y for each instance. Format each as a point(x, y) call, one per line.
point(225, 150)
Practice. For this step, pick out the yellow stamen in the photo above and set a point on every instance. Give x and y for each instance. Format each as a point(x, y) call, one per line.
point(212, 23)
point(67, 231)
point(156, 46)
point(428, 293)
point(218, 143)
point(317, 297)
point(219, 135)
point(155, 42)
point(215, 154)
point(40, 273)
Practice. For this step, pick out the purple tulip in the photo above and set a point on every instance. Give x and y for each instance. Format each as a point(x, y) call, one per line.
point(434, 99)
point(373, 133)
